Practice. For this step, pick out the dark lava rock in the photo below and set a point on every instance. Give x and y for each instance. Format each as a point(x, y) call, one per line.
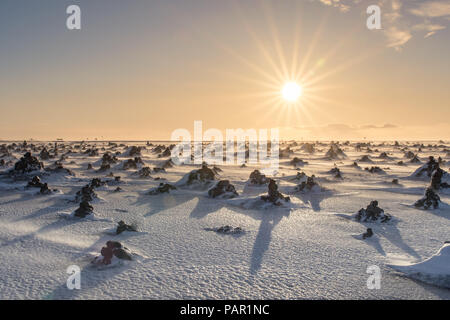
point(374, 170)
point(104, 167)
point(44, 155)
point(430, 199)
point(162, 188)
point(299, 176)
point(96, 183)
point(118, 189)
point(365, 158)
point(57, 167)
point(383, 155)
point(115, 248)
point(35, 182)
point(335, 152)
point(145, 172)
point(394, 181)
point(86, 194)
point(428, 168)
point(157, 170)
point(28, 163)
point(307, 185)
point(204, 174)
point(336, 172)
point(368, 233)
point(257, 177)
point(409, 155)
point(226, 230)
point(308, 147)
point(122, 226)
point(109, 159)
point(223, 188)
point(372, 213)
point(45, 190)
point(415, 159)
point(89, 166)
point(84, 210)
point(91, 152)
point(436, 179)
point(134, 151)
point(168, 164)
point(297, 162)
point(132, 163)
point(274, 195)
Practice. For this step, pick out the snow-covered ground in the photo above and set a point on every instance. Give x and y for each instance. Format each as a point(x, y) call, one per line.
point(308, 249)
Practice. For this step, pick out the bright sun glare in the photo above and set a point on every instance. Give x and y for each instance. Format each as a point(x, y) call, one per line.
point(291, 91)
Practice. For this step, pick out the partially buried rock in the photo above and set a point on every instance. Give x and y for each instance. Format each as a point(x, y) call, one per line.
point(374, 170)
point(84, 210)
point(309, 185)
point(44, 155)
point(430, 199)
point(372, 213)
point(86, 193)
point(257, 177)
point(298, 162)
point(35, 182)
point(227, 230)
point(437, 182)
point(203, 175)
point(368, 233)
point(45, 190)
point(122, 226)
point(145, 172)
point(28, 163)
point(113, 249)
point(274, 195)
point(223, 189)
point(162, 188)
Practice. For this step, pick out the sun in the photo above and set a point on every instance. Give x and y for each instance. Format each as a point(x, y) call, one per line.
point(291, 91)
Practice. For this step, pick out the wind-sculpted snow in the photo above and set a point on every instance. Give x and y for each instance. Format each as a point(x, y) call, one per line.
point(287, 234)
point(434, 270)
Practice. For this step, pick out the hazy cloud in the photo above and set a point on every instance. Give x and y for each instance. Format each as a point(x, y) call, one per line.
point(400, 18)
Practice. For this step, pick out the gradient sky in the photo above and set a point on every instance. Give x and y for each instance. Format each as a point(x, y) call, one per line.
point(139, 69)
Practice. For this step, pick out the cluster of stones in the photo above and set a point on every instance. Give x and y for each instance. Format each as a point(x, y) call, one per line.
point(431, 197)
point(27, 164)
point(297, 162)
point(308, 147)
point(203, 175)
point(162, 188)
point(107, 161)
point(335, 152)
point(372, 213)
point(122, 226)
point(307, 185)
point(374, 169)
point(226, 230)
point(85, 195)
point(132, 163)
point(258, 178)
point(336, 172)
point(134, 151)
point(224, 189)
point(274, 196)
point(43, 187)
point(114, 248)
